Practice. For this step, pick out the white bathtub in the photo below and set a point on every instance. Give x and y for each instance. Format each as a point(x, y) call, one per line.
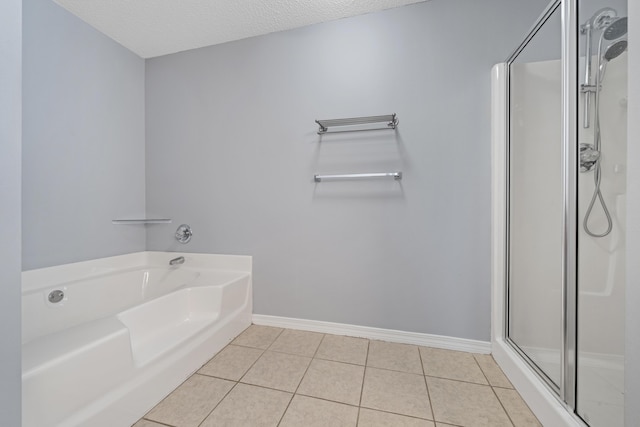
point(127, 332)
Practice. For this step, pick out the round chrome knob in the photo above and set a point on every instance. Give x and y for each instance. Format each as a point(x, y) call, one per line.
point(184, 234)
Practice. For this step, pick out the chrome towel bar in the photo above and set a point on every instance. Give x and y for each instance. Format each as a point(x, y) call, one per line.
point(391, 119)
point(395, 175)
point(142, 221)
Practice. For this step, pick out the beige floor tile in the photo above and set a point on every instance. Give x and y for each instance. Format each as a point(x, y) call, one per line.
point(394, 356)
point(277, 370)
point(492, 371)
point(455, 365)
point(371, 418)
point(467, 404)
point(147, 423)
point(310, 412)
point(301, 343)
point(232, 362)
point(343, 349)
point(257, 336)
point(336, 381)
point(517, 409)
point(191, 402)
point(248, 405)
point(398, 392)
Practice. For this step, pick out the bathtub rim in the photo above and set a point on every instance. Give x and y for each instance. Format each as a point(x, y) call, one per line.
point(47, 277)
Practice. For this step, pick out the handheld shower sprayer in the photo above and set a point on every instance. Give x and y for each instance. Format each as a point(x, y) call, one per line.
point(613, 30)
point(601, 19)
point(611, 52)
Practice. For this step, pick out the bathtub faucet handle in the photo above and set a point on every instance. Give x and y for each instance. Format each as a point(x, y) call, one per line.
point(184, 234)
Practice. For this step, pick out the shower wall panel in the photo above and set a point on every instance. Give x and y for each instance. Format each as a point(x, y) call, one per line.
point(602, 260)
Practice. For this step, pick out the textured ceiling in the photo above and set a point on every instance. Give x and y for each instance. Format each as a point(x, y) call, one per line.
point(160, 27)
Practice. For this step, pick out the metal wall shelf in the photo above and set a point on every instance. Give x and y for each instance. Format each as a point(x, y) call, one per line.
point(351, 176)
point(141, 221)
point(390, 119)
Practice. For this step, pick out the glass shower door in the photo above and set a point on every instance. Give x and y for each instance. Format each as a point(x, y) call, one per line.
point(535, 199)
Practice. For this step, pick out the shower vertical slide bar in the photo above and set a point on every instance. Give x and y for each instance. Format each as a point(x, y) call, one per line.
point(569, 65)
point(588, 31)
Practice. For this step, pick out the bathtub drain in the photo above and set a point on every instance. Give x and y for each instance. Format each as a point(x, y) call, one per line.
point(56, 296)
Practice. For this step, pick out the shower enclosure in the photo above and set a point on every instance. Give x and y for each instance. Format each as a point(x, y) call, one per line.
point(559, 117)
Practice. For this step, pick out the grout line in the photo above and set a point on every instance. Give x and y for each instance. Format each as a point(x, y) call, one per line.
point(327, 400)
point(320, 345)
point(166, 397)
point(218, 404)
point(276, 338)
point(155, 422)
point(285, 409)
point(264, 350)
point(362, 407)
point(301, 378)
point(404, 415)
point(339, 361)
point(502, 406)
point(395, 370)
point(308, 366)
point(364, 374)
point(459, 381)
point(244, 346)
point(266, 388)
point(482, 370)
point(252, 365)
point(433, 414)
point(243, 375)
point(504, 388)
point(290, 354)
point(366, 360)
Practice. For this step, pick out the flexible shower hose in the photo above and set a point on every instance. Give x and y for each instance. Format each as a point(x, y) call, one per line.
point(597, 176)
point(597, 195)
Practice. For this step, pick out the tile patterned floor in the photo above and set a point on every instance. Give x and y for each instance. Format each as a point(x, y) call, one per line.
point(280, 377)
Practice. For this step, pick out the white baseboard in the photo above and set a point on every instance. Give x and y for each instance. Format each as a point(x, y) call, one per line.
point(415, 338)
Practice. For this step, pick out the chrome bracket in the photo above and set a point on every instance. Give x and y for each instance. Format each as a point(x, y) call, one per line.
point(588, 88)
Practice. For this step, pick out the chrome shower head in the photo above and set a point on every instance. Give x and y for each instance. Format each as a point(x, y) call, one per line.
point(611, 52)
point(616, 29)
point(614, 50)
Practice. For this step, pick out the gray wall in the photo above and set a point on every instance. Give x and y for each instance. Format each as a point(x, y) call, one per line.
point(232, 148)
point(10, 141)
point(632, 330)
point(83, 141)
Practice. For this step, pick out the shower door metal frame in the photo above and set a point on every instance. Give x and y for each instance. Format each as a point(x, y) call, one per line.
point(566, 390)
point(570, 163)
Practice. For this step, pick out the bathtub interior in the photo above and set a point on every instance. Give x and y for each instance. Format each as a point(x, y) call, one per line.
point(94, 297)
point(158, 327)
point(127, 354)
